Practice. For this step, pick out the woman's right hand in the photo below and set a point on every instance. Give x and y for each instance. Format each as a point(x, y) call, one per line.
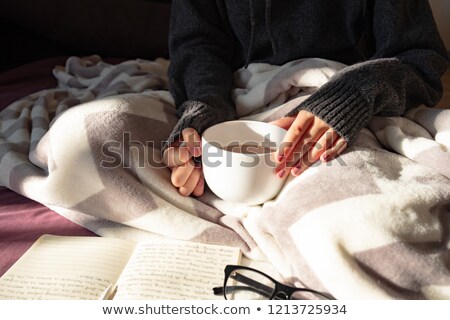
point(187, 175)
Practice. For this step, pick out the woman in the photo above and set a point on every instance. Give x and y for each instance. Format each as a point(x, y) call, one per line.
point(393, 49)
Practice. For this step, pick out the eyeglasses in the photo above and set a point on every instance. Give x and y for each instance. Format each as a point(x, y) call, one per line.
point(244, 283)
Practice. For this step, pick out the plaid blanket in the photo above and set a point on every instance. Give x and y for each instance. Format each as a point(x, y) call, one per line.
point(373, 223)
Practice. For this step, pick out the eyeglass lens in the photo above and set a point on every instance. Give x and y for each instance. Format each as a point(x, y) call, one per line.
point(248, 284)
point(245, 284)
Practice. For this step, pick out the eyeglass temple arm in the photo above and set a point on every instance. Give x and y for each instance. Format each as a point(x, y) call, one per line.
point(231, 289)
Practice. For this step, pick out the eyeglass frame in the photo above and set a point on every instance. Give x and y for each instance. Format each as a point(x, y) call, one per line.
point(280, 288)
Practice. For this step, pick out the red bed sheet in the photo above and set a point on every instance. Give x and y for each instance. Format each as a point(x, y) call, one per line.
point(22, 220)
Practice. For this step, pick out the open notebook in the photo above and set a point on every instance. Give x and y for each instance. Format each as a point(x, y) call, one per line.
point(58, 267)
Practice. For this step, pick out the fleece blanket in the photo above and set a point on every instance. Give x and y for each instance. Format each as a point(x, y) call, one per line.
point(373, 223)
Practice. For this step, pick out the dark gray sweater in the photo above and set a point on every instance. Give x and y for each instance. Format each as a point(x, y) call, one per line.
point(394, 50)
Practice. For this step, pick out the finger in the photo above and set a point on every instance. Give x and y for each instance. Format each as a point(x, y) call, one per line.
point(192, 141)
point(304, 146)
point(325, 142)
point(303, 164)
point(284, 122)
point(290, 162)
point(176, 156)
point(301, 124)
point(335, 150)
point(310, 138)
point(181, 173)
point(191, 183)
point(294, 163)
point(199, 188)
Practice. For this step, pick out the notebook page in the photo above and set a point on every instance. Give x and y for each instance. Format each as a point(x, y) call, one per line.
point(58, 267)
point(175, 270)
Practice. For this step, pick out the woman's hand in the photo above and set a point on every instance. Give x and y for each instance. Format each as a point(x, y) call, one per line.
point(307, 140)
point(186, 174)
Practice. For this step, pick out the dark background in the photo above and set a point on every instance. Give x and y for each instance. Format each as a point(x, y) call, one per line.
point(35, 29)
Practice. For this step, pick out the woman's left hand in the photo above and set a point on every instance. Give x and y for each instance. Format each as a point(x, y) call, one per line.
point(307, 140)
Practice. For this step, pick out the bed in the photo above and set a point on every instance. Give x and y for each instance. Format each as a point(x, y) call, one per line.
point(386, 237)
point(41, 36)
point(22, 220)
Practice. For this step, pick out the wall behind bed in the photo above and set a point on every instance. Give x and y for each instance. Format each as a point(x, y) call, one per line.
point(441, 12)
point(30, 29)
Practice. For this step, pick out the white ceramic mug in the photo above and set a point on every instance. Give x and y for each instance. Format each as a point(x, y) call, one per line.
point(247, 176)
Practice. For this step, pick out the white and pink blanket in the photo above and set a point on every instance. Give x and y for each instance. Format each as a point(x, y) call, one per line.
point(373, 223)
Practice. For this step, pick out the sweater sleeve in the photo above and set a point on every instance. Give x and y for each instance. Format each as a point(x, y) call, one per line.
point(200, 77)
point(404, 71)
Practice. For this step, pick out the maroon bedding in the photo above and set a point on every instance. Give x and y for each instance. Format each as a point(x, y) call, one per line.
point(22, 220)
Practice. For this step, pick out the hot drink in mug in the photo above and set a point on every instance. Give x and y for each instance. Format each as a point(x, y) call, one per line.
point(238, 160)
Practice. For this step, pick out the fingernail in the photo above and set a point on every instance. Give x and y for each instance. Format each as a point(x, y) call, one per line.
point(280, 174)
point(296, 171)
point(197, 151)
point(280, 157)
point(327, 157)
